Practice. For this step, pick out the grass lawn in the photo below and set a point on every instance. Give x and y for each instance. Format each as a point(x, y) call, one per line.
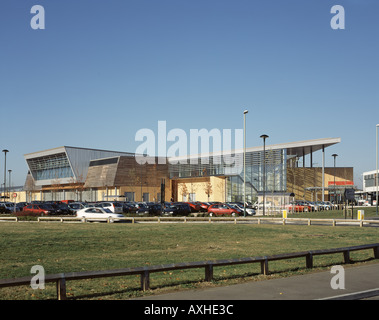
point(66, 247)
point(370, 212)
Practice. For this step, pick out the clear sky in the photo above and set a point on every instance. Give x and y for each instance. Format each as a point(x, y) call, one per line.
point(103, 69)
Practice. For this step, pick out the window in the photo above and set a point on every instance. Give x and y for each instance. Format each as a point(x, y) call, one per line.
point(129, 196)
point(50, 167)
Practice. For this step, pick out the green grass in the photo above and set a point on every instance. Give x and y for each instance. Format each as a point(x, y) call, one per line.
point(370, 212)
point(65, 247)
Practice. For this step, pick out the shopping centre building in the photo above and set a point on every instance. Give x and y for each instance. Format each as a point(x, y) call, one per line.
point(71, 173)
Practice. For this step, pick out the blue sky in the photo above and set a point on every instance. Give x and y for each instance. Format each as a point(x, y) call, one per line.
point(102, 70)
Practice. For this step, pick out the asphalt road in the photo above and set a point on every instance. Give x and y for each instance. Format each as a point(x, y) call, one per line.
point(360, 282)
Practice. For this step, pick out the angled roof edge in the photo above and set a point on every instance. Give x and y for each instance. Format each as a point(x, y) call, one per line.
point(298, 148)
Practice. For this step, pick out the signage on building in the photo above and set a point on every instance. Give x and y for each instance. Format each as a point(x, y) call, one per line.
point(341, 183)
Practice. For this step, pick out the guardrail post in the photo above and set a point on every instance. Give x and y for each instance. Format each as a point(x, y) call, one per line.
point(145, 280)
point(209, 272)
point(376, 252)
point(264, 266)
point(309, 260)
point(61, 288)
point(346, 256)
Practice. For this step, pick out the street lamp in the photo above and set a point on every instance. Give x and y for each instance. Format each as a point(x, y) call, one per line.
point(244, 162)
point(5, 171)
point(334, 156)
point(9, 183)
point(377, 169)
point(264, 137)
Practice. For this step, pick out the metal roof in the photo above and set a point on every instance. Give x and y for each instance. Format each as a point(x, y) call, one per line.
point(298, 148)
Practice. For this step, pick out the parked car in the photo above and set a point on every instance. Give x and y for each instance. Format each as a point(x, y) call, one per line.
point(155, 209)
point(3, 208)
point(298, 207)
point(323, 205)
point(195, 206)
point(259, 206)
point(177, 209)
point(98, 214)
point(128, 207)
point(142, 209)
point(76, 206)
point(6, 207)
point(61, 208)
point(20, 205)
point(314, 205)
point(249, 209)
point(221, 209)
point(332, 206)
point(115, 207)
point(37, 210)
point(204, 206)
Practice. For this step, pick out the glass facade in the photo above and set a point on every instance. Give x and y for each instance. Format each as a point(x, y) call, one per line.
point(275, 167)
point(50, 167)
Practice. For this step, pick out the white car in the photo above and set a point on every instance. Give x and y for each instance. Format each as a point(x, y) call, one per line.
point(98, 214)
point(115, 207)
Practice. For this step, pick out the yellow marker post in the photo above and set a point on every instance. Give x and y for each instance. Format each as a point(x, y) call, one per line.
point(284, 212)
point(361, 214)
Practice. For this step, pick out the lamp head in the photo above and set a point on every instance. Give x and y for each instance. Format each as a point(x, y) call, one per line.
point(246, 111)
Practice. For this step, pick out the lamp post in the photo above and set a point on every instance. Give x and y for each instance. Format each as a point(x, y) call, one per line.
point(9, 183)
point(376, 169)
point(334, 156)
point(264, 137)
point(5, 171)
point(244, 162)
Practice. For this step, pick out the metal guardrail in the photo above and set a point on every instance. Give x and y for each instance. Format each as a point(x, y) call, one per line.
point(144, 272)
point(235, 220)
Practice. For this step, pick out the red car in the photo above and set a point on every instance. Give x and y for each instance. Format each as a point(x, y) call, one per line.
point(204, 206)
point(37, 210)
point(195, 207)
point(299, 207)
point(221, 208)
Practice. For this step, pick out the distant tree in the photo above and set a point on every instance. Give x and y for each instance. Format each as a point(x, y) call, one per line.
point(208, 189)
point(77, 184)
point(184, 190)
